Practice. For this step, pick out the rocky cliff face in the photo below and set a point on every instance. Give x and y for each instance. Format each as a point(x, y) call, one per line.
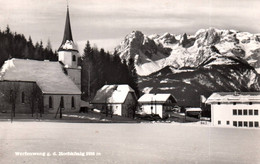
point(153, 53)
point(141, 48)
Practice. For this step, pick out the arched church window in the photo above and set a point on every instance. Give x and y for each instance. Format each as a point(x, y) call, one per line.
point(23, 96)
point(74, 58)
point(50, 102)
point(72, 102)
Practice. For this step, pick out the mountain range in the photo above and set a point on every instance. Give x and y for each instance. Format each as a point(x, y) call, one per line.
point(188, 66)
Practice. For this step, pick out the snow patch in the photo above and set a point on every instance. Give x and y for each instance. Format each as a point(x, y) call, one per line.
point(187, 81)
point(258, 70)
point(166, 88)
point(69, 45)
point(147, 90)
point(164, 81)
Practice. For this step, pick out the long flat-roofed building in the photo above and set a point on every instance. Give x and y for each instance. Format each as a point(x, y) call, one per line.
point(235, 109)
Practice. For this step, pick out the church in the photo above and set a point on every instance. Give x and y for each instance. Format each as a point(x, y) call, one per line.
point(45, 87)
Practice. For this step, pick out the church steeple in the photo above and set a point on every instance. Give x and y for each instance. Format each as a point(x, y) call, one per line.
point(69, 55)
point(67, 42)
point(67, 31)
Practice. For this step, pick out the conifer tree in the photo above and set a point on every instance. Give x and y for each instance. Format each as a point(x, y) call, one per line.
point(13, 45)
point(48, 46)
point(133, 76)
point(87, 68)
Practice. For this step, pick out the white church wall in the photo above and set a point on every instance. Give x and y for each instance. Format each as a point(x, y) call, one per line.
point(65, 57)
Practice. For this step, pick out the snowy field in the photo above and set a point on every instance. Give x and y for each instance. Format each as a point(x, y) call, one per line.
point(126, 143)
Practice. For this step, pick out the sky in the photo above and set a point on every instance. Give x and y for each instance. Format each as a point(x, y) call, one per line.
point(105, 23)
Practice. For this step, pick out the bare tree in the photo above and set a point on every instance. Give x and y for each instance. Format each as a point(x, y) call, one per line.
point(35, 98)
point(10, 95)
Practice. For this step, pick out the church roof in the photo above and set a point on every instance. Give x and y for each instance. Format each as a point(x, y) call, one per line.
point(112, 94)
point(67, 42)
point(228, 97)
point(49, 76)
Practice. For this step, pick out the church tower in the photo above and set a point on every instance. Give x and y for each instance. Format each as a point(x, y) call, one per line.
point(69, 55)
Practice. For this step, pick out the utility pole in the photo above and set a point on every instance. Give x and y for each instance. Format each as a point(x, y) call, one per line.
point(155, 106)
point(60, 113)
point(89, 80)
point(61, 106)
point(152, 105)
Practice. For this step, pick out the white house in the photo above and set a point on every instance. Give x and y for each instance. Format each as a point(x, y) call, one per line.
point(157, 103)
point(118, 99)
point(235, 109)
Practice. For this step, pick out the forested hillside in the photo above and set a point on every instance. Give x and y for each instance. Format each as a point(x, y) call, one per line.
point(100, 68)
point(13, 45)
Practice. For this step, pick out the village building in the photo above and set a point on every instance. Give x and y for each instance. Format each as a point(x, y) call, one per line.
point(29, 86)
point(235, 109)
point(159, 104)
point(116, 99)
point(193, 112)
point(33, 81)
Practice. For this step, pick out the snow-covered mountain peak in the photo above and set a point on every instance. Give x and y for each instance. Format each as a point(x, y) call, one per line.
point(154, 36)
point(155, 52)
point(167, 39)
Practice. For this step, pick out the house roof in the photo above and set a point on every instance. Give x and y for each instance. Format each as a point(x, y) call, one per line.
point(112, 94)
point(193, 109)
point(49, 76)
point(227, 97)
point(158, 98)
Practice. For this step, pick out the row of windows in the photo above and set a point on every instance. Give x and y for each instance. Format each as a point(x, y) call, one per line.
point(61, 102)
point(109, 107)
point(51, 101)
point(245, 124)
point(242, 123)
point(234, 103)
point(245, 112)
